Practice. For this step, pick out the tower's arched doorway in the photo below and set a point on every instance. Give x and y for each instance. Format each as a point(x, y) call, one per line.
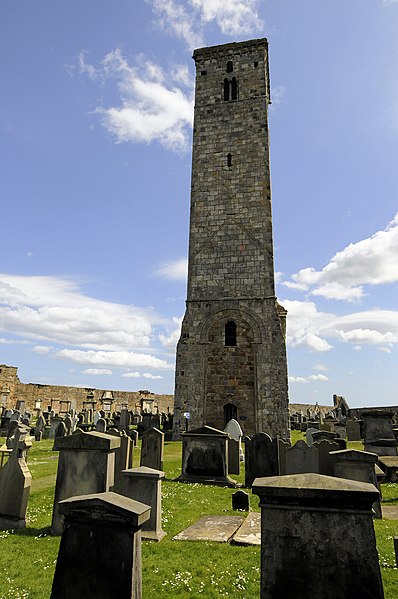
point(230, 412)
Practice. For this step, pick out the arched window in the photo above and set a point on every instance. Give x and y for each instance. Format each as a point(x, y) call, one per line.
point(230, 66)
point(234, 89)
point(229, 160)
point(230, 333)
point(226, 90)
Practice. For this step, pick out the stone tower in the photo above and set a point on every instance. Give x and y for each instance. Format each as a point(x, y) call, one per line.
point(231, 356)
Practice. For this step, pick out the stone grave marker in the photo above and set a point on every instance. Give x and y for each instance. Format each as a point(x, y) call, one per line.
point(15, 481)
point(326, 462)
point(205, 457)
point(123, 458)
point(357, 465)
point(152, 448)
point(378, 432)
point(261, 457)
point(353, 430)
point(86, 465)
point(100, 426)
point(233, 428)
point(144, 484)
point(233, 456)
point(302, 513)
point(241, 501)
point(302, 458)
point(309, 435)
point(100, 551)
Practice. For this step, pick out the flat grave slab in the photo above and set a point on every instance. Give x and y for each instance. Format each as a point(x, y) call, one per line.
point(250, 531)
point(211, 528)
point(390, 512)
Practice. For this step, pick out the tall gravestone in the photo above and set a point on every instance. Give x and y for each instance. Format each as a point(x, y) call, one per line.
point(86, 465)
point(304, 518)
point(100, 551)
point(301, 459)
point(231, 355)
point(15, 481)
point(261, 457)
point(152, 449)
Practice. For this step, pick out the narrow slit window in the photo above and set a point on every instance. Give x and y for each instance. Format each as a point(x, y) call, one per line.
point(230, 333)
point(230, 66)
point(226, 90)
point(229, 160)
point(234, 89)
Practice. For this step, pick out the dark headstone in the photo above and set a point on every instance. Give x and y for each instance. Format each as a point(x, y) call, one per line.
point(261, 457)
point(102, 535)
point(241, 501)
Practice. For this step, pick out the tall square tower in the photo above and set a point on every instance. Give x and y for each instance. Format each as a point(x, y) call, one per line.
point(231, 356)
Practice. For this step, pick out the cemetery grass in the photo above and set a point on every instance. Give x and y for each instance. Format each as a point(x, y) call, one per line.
point(170, 568)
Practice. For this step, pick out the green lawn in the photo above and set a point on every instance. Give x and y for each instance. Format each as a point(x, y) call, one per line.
point(170, 569)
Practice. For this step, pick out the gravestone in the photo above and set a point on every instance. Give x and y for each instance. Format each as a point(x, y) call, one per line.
point(100, 551)
point(353, 430)
point(39, 428)
point(241, 501)
point(124, 421)
point(86, 465)
point(304, 518)
point(123, 457)
point(97, 416)
point(309, 435)
point(205, 457)
point(68, 421)
point(144, 484)
point(100, 427)
point(234, 430)
point(378, 432)
point(261, 457)
point(15, 481)
point(152, 448)
point(326, 461)
point(134, 437)
point(301, 458)
point(357, 465)
point(60, 431)
point(233, 456)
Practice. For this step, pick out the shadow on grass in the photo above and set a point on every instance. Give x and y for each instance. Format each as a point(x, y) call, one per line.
point(34, 532)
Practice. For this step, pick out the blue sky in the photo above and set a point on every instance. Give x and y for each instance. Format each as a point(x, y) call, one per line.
point(96, 105)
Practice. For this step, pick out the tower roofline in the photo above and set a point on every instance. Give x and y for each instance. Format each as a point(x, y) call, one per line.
point(230, 47)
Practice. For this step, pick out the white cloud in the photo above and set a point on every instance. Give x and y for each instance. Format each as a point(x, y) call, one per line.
point(42, 349)
point(173, 18)
point(152, 106)
point(171, 339)
point(320, 367)
point(118, 359)
point(308, 379)
point(385, 350)
point(145, 375)
point(372, 261)
point(54, 309)
point(176, 270)
point(96, 371)
point(314, 330)
point(235, 17)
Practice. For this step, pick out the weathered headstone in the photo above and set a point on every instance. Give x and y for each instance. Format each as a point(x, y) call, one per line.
point(152, 449)
point(302, 513)
point(86, 465)
point(60, 431)
point(261, 457)
point(100, 551)
point(353, 430)
point(123, 457)
point(124, 421)
point(233, 456)
point(15, 481)
point(234, 430)
point(357, 465)
point(205, 457)
point(302, 458)
point(39, 428)
point(309, 435)
point(378, 432)
point(241, 501)
point(326, 462)
point(100, 427)
point(144, 484)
